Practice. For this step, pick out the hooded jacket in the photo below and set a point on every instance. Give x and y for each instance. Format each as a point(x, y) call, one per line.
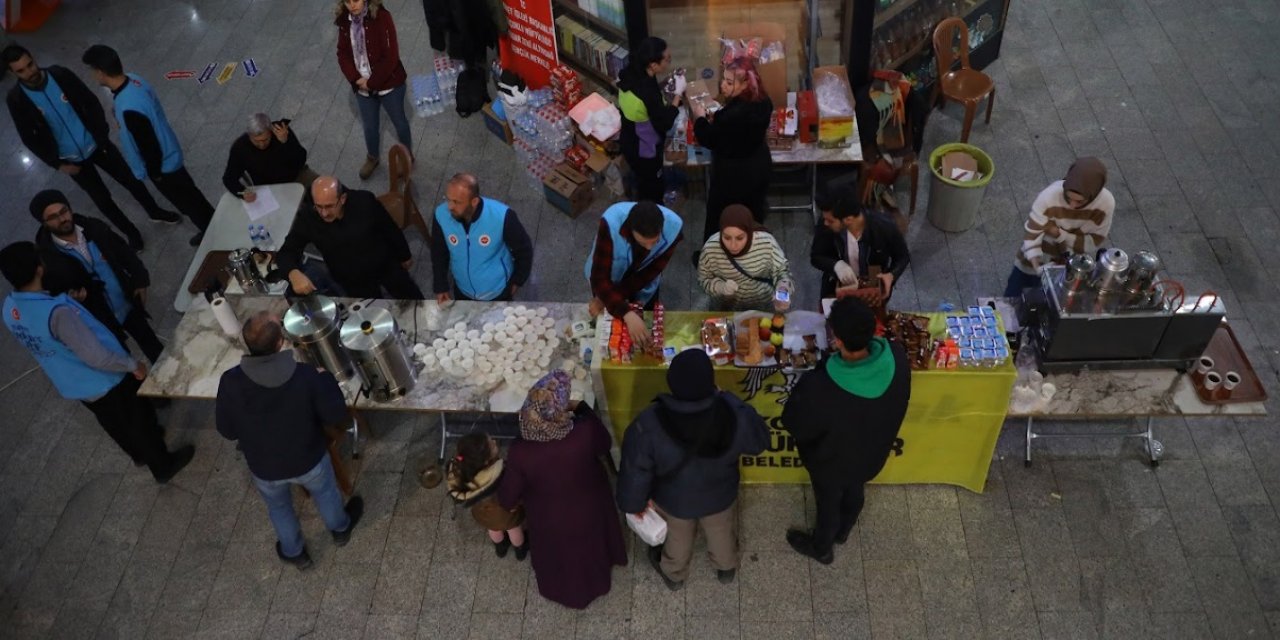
point(712, 433)
point(278, 408)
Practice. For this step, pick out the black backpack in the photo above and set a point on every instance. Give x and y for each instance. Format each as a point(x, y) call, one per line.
point(472, 92)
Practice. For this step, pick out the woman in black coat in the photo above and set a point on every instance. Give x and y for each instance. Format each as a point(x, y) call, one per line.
point(740, 160)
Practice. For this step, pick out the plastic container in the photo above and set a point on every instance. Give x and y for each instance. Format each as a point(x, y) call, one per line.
point(954, 205)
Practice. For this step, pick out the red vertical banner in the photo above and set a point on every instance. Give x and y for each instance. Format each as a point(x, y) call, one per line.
point(530, 48)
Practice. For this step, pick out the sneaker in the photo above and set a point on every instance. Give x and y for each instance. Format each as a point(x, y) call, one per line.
point(366, 170)
point(196, 239)
point(177, 460)
point(655, 559)
point(802, 542)
point(302, 561)
point(501, 548)
point(164, 217)
point(354, 509)
point(726, 576)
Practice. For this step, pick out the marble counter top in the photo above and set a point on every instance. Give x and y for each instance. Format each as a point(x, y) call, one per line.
point(200, 352)
point(1147, 392)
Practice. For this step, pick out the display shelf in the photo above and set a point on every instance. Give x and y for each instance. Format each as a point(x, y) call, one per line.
point(926, 42)
point(892, 12)
point(598, 25)
point(583, 67)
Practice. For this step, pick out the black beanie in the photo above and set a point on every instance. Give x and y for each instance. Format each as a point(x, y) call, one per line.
point(43, 200)
point(691, 376)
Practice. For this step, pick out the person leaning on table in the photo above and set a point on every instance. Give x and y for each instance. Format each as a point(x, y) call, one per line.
point(1072, 215)
point(634, 243)
point(266, 153)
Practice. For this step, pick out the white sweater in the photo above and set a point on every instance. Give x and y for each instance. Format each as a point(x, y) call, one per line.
point(764, 260)
point(1080, 230)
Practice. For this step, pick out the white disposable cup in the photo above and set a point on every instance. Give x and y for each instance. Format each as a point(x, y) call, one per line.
point(1212, 380)
point(1230, 380)
point(1204, 365)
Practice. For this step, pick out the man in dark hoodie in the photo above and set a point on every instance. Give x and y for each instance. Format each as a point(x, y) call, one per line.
point(682, 453)
point(844, 417)
point(281, 412)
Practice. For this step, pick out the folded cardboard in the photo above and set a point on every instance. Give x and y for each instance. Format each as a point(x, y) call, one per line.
point(567, 189)
point(959, 166)
point(773, 75)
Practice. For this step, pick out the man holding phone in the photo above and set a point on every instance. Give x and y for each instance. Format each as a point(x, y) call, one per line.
point(852, 245)
point(266, 153)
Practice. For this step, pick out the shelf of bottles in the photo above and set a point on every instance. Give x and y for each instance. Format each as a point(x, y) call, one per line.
point(903, 33)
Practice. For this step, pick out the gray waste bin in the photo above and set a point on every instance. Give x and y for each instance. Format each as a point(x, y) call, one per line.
point(953, 206)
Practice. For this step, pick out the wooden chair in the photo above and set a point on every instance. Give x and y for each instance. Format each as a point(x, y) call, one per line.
point(965, 85)
point(398, 199)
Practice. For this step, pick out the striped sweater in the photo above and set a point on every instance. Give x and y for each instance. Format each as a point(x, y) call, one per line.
point(764, 260)
point(1079, 230)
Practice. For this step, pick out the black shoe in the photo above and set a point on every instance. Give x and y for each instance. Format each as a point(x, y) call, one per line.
point(164, 217)
point(137, 244)
point(843, 536)
point(302, 561)
point(195, 240)
point(354, 509)
point(726, 576)
point(501, 548)
point(655, 559)
point(177, 460)
point(802, 542)
point(522, 551)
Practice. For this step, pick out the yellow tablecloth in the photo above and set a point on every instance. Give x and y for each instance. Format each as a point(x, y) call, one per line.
point(948, 437)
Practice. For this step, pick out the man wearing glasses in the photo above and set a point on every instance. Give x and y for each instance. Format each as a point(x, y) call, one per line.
point(363, 249)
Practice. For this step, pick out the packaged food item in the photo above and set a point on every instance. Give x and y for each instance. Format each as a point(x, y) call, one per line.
point(716, 337)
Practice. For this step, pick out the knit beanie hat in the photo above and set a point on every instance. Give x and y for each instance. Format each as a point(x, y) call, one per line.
point(42, 201)
point(691, 376)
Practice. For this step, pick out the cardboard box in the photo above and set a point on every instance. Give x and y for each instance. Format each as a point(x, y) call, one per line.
point(568, 190)
point(497, 126)
point(807, 114)
point(835, 129)
point(773, 75)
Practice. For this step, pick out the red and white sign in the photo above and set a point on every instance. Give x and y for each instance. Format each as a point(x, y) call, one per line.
point(179, 75)
point(530, 48)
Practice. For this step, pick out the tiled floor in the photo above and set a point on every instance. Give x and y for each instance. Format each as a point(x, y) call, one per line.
point(1179, 97)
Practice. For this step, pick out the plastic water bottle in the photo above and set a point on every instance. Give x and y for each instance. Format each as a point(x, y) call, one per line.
point(264, 237)
point(254, 238)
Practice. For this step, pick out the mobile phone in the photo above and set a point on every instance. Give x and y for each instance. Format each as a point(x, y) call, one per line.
point(782, 296)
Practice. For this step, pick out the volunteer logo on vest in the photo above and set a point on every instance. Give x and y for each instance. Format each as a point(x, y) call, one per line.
point(453, 239)
point(484, 240)
point(64, 98)
point(15, 314)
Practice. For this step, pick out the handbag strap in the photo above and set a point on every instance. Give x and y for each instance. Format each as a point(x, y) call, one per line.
point(744, 271)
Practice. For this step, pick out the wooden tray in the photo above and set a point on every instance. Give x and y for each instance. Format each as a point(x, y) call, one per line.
point(1227, 355)
point(213, 267)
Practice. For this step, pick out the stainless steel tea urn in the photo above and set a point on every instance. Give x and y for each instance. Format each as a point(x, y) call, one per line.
point(242, 266)
point(1079, 271)
point(372, 338)
point(1111, 271)
point(313, 326)
point(1142, 274)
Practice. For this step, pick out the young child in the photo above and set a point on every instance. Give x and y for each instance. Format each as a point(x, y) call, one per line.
point(474, 473)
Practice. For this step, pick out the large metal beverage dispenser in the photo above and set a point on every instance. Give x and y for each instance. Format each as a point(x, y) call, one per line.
point(312, 324)
point(372, 338)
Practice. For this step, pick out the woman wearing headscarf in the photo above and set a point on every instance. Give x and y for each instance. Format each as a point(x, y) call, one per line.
point(741, 266)
point(1072, 215)
point(740, 160)
point(555, 471)
point(646, 116)
point(369, 56)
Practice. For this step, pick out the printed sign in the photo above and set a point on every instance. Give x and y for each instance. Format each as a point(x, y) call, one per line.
point(179, 75)
point(226, 73)
point(250, 68)
point(207, 73)
point(530, 48)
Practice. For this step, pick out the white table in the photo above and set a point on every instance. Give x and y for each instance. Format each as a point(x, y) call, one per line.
point(229, 230)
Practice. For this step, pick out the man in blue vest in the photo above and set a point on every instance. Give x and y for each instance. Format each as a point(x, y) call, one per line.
point(480, 242)
point(62, 123)
point(634, 243)
point(84, 259)
point(150, 145)
point(85, 362)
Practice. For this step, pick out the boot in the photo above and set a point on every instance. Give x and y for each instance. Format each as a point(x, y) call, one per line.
point(523, 550)
point(366, 170)
point(501, 548)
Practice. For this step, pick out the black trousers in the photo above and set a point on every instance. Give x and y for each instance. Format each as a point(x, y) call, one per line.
point(648, 174)
point(395, 280)
point(138, 328)
point(178, 188)
point(838, 507)
point(131, 422)
point(743, 181)
point(109, 159)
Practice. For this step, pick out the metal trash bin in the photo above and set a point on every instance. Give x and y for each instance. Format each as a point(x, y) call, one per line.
point(954, 205)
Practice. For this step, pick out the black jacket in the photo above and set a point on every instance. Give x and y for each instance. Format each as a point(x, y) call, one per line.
point(664, 434)
point(736, 131)
point(881, 245)
point(280, 162)
point(661, 115)
point(357, 249)
point(840, 436)
point(34, 130)
point(63, 272)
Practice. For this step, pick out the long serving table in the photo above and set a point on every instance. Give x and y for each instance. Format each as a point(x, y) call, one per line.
point(1123, 395)
point(229, 230)
point(949, 434)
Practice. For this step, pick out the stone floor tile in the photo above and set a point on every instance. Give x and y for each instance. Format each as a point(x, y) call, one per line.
point(833, 626)
point(290, 626)
point(1055, 625)
point(774, 586)
point(391, 627)
point(351, 588)
point(231, 623)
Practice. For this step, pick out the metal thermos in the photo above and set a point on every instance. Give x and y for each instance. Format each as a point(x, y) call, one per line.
point(1142, 274)
point(1079, 271)
point(242, 266)
point(372, 338)
point(1111, 271)
point(312, 324)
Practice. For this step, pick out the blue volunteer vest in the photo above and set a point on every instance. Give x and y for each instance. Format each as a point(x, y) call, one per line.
point(138, 96)
point(615, 216)
point(27, 315)
point(480, 261)
point(75, 143)
point(97, 266)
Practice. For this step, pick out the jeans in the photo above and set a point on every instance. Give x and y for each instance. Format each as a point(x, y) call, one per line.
point(322, 485)
point(1019, 281)
point(394, 104)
